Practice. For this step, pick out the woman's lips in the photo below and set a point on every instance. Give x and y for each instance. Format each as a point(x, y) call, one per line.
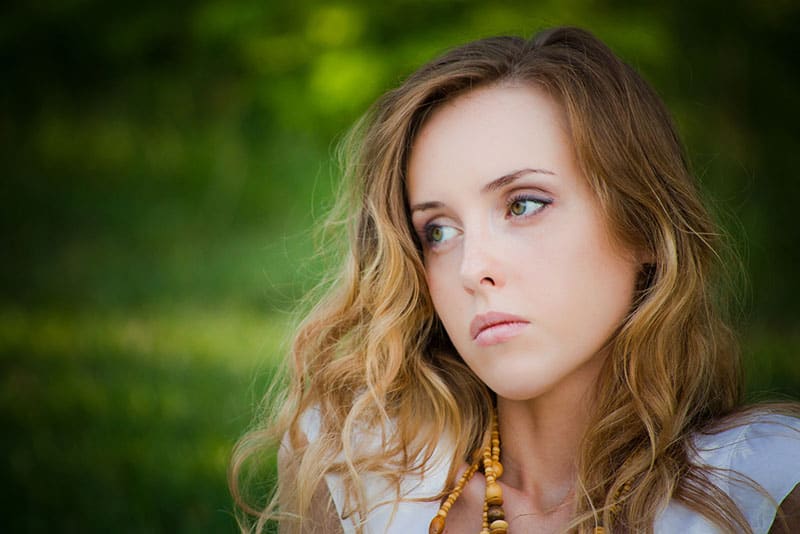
point(495, 327)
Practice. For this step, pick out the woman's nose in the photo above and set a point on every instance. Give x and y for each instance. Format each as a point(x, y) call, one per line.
point(481, 267)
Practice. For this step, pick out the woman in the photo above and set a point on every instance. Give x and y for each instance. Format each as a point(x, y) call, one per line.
point(529, 263)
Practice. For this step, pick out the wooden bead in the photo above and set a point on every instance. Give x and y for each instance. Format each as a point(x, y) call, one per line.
point(498, 469)
point(493, 520)
point(494, 494)
point(495, 512)
point(437, 525)
point(599, 530)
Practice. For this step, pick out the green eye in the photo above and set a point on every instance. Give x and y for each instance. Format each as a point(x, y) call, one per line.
point(525, 206)
point(436, 235)
point(518, 207)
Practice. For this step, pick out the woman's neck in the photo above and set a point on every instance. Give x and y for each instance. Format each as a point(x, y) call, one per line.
point(540, 439)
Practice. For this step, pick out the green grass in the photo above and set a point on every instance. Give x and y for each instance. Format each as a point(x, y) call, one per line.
point(121, 423)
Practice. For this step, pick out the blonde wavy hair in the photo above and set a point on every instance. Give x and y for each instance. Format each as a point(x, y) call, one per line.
point(372, 354)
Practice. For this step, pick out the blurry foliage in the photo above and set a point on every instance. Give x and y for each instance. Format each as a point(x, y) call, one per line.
point(165, 164)
point(124, 423)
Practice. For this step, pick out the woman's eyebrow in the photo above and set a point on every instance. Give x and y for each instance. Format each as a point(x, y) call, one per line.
point(422, 206)
point(491, 186)
point(510, 177)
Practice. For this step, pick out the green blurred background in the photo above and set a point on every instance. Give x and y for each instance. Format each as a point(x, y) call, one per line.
point(164, 165)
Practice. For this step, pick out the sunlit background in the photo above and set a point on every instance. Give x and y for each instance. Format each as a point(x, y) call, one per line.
point(164, 165)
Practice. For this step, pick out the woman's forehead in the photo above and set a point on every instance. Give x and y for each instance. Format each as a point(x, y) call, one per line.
point(488, 133)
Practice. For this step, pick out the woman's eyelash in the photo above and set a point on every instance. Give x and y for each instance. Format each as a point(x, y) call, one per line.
point(433, 235)
point(429, 236)
point(519, 198)
point(427, 231)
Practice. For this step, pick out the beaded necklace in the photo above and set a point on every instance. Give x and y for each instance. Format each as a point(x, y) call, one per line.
point(493, 515)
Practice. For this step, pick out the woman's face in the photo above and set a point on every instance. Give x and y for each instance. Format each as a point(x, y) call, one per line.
point(521, 266)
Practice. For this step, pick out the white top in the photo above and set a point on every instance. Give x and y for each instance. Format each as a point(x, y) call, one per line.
point(765, 449)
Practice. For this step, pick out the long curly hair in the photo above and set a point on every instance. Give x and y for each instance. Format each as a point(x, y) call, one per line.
point(372, 354)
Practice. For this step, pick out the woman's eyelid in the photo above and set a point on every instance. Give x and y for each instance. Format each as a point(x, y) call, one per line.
point(527, 196)
point(434, 221)
point(439, 223)
point(422, 223)
point(438, 218)
point(528, 191)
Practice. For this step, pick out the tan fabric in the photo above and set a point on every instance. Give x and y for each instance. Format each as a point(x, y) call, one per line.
point(322, 518)
point(787, 520)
